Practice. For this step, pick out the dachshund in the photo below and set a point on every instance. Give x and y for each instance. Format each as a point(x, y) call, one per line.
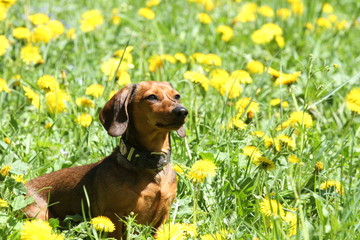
point(136, 178)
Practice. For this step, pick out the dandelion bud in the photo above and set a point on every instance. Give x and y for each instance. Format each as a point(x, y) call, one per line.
point(319, 166)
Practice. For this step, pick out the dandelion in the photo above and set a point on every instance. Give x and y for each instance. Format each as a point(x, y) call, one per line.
point(244, 17)
point(271, 207)
point(277, 101)
point(95, 90)
point(283, 13)
point(291, 219)
point(42, 33)
point(3, 86)
point(147, 13)
point(252, 152)
point(32, 96)
point(247, 105)
point(84, 102)
point(84, 120)
point(231, 88)
point(21, 33)
point(282, 141)
point(48, 125)
point(319, 166)
point(178, 231)
point(180, 57)
point(39, 18)
point(178, 169)
point(352, 100)
point(102, 224)
point(3, 12)
point(218, 78)
point(222, 235)
point(113, 66)
point(168, 58)
point(31, 54)
point(297, 7)
point(323, 22)
point(209, 59)
point(255, 67)
point(327, 8)
point(155, 63)
point(3, 203)
point(332, 184)
point(48, 83)
point(204, 18)
point(38, 230)
point(152, 3)
point(56, 27)
point(71, 33)
point(19, 178)
point(90, 20)
point(293, 159)
point(226, 32)
point(237, 123)
point(7, 140)
point(295, 119)
point(201, 169)
point(4, 171)
point(4, 45)
point(197, 78)
point(258, 134)
point(264, 163)
point(55, 101)
point(266, 11)
point(241, 76)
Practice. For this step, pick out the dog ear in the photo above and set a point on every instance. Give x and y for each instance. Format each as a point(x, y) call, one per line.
point(114, 115)
point(181, 132)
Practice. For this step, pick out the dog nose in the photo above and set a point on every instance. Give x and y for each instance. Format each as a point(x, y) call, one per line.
point(180, 112)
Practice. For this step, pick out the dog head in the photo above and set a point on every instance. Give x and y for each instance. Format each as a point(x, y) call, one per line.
point(148, 105)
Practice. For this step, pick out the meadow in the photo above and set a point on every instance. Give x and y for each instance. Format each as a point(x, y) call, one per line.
point(273, 93)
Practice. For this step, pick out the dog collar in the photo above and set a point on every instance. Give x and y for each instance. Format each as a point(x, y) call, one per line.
point(143, 159)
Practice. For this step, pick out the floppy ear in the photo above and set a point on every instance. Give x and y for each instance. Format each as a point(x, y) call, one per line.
point(181, 132)
point(114, 115)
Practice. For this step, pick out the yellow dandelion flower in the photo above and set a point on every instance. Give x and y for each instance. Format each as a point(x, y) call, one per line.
point(323, 22)
point(237, 123)
point(231, 88)
point(84, 102)
point(4, 171)
point(197, 78)
point(180, 57)
point(116, 20)
point(280, 40)
point(39, 18)
point(19, 178)
point(90, 20)
point(71, 33)
point(283, 13)
point(261, 37)
point(264, 163)
point(291, 219)
point(255, 67)
point(293, 159)
point(204, 18)
point(269, 141)
point(283, 141)
point(95, 90)
point(4, 45)
point(126, 55)
point(244, 17)
point(252, 152)
point(319, 166)
point(218, 78)
point(333, 184)
point(327, 8)
point(21, 33)
point(55, 101)
point(341, 25)
point(48, 83)
point(201, 169)
point(152, 3)
point(56, 27)
point(177, 168)
point(32, 96)
point(3, 86)
point(42, 33)
point(209, 59)
point(246, 105)
point(110, 66)
point(266, 11)
point(258, 134)
point(147, 13)
point(271, 207)
point(222, 235)
point(226, 32)
point(155, 63)
point(102, 224)
point(7, 140)
point(241, 76)
point(38, 230)
point(3, 12)
point(31, 54)
point(352, 100)
point(3, 203)
point(297, 7)
point(48, 125)
point(84, 120)
point(178, 231)
point(295, 119)
point(332, 18)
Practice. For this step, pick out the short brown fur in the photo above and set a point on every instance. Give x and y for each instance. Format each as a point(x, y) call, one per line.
point(117, 188)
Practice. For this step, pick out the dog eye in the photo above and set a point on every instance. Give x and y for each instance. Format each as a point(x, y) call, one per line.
point(151, 97)
point(177, 97)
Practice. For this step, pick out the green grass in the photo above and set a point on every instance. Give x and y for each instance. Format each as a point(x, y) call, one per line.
point(229, 201)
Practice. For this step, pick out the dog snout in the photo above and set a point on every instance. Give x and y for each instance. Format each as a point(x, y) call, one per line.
point(180, 111)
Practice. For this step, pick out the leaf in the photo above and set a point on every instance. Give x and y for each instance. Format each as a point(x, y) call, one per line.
point(20, 202)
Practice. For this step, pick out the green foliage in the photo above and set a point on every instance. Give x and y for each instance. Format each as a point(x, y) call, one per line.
point(35, 141)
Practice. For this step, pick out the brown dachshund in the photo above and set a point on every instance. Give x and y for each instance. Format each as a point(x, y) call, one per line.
point(137, 177)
